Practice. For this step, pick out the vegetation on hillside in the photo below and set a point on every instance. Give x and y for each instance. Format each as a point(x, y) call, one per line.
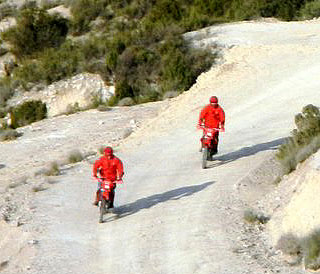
point(304, 141)
point(136, 44)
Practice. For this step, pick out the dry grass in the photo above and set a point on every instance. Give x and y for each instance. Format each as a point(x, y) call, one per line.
point(75, 156)
point(103, 108)
point(289, 244)
point(307, 248)
point(54, 169)
point(253, 217)
point(38, 188)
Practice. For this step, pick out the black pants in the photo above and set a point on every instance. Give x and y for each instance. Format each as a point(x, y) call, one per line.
point(214, 149)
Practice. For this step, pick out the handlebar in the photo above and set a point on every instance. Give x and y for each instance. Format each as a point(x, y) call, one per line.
point(207, 128)
point(101, 179)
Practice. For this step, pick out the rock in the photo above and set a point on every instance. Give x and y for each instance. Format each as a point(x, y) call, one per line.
point(127, 132)
point(79, 91)
point(61, 10)
point(170, 94)
point(133, 123)
point(33, 242)
point(127, 101)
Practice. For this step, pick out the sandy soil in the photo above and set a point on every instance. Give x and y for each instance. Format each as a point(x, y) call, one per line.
point(171, 216)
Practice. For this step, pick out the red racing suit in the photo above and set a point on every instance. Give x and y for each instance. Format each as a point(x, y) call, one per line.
point(111, 169)
point(213, 117)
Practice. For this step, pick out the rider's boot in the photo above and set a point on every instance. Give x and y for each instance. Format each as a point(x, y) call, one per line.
point(215, 149)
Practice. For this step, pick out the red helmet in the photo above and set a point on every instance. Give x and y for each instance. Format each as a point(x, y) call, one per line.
point(213, 100)
point(108, 151)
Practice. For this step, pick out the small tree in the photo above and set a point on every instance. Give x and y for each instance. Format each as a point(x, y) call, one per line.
point(36, 29)
point(28, 113)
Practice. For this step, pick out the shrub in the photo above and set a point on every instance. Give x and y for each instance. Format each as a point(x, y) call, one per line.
point(6, 90)
point(35, 31)
point(6, 10)
point(27, 113)
point(71, 109)
point(75, 156)
point(113, 101)
point(51, 65)
point(253, 217)
point(166, 11)
point(101, 150)
point(181, 65)
point(54, 170)
point(304, 141)
point(310, 10)
point(311, 250)
point(289, 244)
point(39, 187)
point(84, 11)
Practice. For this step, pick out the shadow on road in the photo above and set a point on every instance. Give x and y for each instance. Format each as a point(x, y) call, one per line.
point(246, 151)
point(153, 200)
point(2, 166)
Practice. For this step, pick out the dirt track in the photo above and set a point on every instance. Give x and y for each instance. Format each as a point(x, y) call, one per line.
point(172, 216)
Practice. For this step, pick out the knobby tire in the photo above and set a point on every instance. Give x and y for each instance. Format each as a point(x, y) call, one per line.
point(102, 210)
point(204, 157)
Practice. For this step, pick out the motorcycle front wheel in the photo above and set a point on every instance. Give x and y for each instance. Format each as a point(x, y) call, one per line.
point(102, 210)
point(204, 157)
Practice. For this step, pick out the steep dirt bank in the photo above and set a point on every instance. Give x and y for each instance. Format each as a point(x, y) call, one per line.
point(298, 206)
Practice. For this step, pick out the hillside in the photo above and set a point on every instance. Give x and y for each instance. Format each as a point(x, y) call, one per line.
point(171, 216)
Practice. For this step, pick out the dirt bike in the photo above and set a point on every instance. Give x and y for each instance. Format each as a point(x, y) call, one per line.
point(104, 196)
point(209, 143)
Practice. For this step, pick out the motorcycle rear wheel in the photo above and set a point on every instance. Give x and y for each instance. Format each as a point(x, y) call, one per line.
point(204, 157)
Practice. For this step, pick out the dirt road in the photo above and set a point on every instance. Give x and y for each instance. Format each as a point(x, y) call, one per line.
point(171, 216)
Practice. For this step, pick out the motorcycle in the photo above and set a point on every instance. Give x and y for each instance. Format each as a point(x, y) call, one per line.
point(104, 196)
point(209, 142)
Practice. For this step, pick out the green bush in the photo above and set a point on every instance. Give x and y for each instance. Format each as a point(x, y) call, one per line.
point(52, 65)
point(181, 65)
point(304, 141)
point(311, 250)
point(6, 10)
point(6, 90)
point(27, 113)
point(85, 11)
point(35, 31)
point(289, 244)
point(310, 10)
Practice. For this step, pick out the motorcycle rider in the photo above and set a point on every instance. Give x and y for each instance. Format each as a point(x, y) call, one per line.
point(212, 116)
point(110, 168)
